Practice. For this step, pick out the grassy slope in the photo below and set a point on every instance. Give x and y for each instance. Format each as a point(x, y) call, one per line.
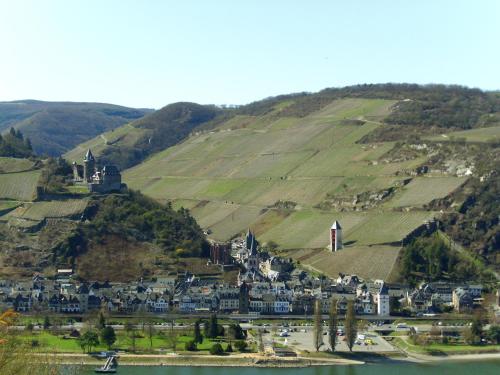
point(230, 177)
point(125, 135)
point(488, 134)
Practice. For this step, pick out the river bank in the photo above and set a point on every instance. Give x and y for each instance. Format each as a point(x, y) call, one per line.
point(208, 361)
point(255, 360)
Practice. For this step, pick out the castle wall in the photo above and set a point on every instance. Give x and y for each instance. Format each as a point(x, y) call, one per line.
point(105, 187)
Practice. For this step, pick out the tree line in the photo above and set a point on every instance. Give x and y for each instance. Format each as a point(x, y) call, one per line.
point(350, 326)
point(15, 145)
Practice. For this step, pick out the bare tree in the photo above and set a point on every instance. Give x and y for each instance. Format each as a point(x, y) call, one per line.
point(318, 326)
point(261, 342)
point(350, 325)
point(150, 331)
point(333, 324)
point(174, 339)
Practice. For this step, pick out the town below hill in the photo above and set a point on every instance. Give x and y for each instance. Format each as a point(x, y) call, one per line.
point(408, 171)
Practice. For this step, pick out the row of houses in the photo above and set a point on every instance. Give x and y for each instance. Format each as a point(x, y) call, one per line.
point(262, 298)
point(193, 295)
point(439, 296)
point(266, 285)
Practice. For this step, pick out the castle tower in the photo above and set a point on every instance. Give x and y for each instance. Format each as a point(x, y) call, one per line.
point(88, 166)
point(76, 175)
point(336, 237)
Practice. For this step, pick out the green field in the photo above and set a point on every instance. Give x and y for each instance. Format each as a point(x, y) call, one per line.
point(231, 178)
point(19, 186)
point(489, 134)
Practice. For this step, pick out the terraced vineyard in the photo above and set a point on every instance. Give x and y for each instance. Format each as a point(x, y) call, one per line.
point(50, 209)
point(19, 186)
point(10, 165)
point(235, 176)
point(422, 190)
point(373, 262)
point(29, 216)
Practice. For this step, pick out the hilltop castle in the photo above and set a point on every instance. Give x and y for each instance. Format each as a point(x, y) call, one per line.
point(98, 180)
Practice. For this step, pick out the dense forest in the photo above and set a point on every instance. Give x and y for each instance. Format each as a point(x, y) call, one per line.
point(144, 219)
point(431, 258)
point(14, 144)
point(132, 218)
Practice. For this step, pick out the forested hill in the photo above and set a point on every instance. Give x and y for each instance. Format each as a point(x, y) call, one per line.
point(449, 106)
point(55, 127)
point(420, 109)
point(132, 143)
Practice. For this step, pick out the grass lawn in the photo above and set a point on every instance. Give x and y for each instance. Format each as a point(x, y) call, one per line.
point(51, 342)
point(443, 349)
point(78, 189)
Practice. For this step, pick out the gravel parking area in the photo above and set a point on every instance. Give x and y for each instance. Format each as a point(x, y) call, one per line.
point(304, 341)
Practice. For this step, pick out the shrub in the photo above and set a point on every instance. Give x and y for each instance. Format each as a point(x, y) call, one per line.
point(216, 349)
point(229, 348)
point(30, 327)
point(240, 345)
point(191, 346)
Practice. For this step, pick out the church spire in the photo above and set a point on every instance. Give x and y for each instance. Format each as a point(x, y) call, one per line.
point(89, 156)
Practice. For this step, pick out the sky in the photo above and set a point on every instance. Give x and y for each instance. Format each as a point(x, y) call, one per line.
point(150, 53)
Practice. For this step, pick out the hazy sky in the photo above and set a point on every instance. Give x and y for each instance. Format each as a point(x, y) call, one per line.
point(151, 53)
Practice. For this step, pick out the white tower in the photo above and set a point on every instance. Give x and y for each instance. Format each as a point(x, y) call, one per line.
point(383, 301)
point(336, 236)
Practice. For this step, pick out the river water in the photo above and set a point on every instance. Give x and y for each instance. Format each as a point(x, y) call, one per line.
point(386, 368)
